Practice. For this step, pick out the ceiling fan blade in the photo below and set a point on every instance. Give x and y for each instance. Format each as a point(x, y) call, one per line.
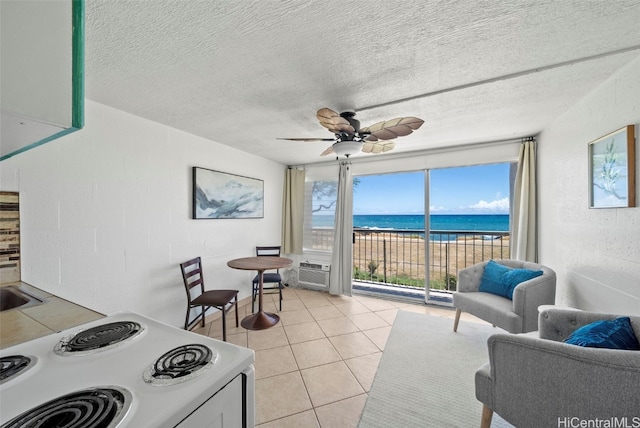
point(328, 151)
point(333, 121)
point(377, 146)
point(390, 129)
point(307, 139)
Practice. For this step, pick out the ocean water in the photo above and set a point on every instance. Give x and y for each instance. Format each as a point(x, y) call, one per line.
point(461, 222)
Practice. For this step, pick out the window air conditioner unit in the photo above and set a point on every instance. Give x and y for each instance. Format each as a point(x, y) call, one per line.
point(314, 275)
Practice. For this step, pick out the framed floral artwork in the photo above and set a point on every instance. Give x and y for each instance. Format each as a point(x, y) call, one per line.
point(612, 170)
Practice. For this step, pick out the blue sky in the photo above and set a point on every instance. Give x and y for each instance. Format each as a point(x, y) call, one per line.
point(482, 189)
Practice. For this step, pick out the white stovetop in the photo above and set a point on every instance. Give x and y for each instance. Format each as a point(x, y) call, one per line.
point(54, 375)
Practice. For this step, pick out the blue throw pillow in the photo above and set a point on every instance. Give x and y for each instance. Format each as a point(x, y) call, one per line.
point(502, 280)
point(614, 334)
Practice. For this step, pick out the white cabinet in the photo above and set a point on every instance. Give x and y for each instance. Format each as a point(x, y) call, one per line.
point(41, 76)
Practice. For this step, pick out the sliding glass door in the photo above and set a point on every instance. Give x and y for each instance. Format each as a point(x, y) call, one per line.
point(389, 233)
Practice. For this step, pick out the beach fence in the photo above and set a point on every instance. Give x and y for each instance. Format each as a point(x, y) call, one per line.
point(397, 257)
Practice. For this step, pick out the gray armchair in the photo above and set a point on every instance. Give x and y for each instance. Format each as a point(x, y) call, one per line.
point(542, 382)
point(519, 315)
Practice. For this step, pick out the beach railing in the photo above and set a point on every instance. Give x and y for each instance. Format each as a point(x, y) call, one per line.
point(397, 257)
point(451, 251)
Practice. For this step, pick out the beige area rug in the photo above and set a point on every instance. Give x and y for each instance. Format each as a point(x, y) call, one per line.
point(426, 375)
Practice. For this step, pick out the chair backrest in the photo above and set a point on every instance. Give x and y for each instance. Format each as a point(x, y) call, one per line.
point(270, 250)
point(192, 275)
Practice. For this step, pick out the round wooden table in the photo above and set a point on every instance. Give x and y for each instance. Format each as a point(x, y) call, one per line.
point(260, 320)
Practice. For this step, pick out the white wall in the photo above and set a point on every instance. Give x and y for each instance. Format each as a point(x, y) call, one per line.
point(595, 252)
point(106, 214)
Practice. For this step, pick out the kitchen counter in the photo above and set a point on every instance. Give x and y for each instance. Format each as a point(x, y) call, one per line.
point(56, 314)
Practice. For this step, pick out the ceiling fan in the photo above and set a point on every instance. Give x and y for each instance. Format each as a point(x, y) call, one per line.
point(349, 138)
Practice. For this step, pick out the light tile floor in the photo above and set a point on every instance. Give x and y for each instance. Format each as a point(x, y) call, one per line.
point(316, 366)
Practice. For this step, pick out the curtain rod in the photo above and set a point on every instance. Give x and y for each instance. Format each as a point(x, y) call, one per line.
point(434, 150)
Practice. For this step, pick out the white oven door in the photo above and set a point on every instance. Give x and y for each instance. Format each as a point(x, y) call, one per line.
point(223, 410)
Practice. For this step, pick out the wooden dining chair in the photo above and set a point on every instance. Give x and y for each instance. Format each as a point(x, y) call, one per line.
point(223, 300)
point(269, 277)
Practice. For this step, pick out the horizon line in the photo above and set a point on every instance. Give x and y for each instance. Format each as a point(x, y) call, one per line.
point(439, 213)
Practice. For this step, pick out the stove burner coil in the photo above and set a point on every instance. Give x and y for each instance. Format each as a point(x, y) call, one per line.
point(102, 407)
point(98, 338)
point(12, 365)
point(180, 364)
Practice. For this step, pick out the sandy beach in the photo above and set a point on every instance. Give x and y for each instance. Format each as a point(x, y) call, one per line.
point(400, 257)
point(403, 255)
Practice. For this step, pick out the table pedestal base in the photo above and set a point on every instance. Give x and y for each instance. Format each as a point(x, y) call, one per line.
point(260, 320)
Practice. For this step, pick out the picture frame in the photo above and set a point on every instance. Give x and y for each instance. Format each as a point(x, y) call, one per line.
point(612, 170)
point(219, 194)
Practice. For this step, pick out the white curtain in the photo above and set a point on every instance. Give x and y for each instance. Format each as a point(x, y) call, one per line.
point(341, 268)
point(524, 244)
point(293, 211)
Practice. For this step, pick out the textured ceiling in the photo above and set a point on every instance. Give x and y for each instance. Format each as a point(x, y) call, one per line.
point(244, 72)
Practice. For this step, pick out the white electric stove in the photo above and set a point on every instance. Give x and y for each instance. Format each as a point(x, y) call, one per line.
point(127, 370)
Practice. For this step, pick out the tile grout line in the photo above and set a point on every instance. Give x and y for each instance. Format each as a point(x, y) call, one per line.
point(310, 304)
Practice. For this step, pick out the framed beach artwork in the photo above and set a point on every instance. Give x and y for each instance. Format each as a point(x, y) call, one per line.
point(612, 170)
point(222, 195)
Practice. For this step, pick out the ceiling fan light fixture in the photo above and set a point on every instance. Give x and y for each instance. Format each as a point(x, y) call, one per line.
point(350, 138)
point(347, 148)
